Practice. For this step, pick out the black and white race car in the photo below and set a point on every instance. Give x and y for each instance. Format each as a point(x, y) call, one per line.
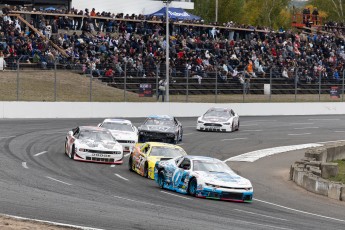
point(162, 128)
point(219, 119)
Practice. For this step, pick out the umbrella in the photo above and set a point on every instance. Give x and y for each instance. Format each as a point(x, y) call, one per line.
point(50, 8)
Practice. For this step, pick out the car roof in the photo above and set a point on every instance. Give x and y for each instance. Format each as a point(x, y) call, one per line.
point(117, 120)
point(203, 158)
point(161, 144)
point(161, 117)
point(219, 109)
point(92, 128)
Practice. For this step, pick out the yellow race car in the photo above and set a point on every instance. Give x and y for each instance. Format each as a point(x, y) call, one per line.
point(145, 155)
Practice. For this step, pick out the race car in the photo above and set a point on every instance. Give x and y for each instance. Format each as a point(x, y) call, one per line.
point(93, 144)
point(219, 119)
point(203, 177)
point(144, 157)
point(124, 132)
point(162, 128)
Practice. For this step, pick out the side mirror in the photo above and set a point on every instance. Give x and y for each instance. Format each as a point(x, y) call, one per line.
point(99, 125)
point(70, 133)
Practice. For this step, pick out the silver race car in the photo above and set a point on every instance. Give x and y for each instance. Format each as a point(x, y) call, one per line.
point(219, 119)
point(124, 132)
point(93, 144)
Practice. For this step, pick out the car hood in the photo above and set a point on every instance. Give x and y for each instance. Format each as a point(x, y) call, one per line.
point(124, 135)
point(99, 145)
point(214, 119)
point(228, 179)
point(157, 128)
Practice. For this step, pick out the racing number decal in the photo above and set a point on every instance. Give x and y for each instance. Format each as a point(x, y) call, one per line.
point(140, 163)
point(178, 178)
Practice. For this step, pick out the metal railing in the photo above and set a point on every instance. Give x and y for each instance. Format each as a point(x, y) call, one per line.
point(66, 82)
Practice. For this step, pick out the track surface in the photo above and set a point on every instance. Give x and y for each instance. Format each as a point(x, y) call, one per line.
point(38, 181)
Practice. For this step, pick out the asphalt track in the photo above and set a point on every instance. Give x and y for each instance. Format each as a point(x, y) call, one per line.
point(38, 181)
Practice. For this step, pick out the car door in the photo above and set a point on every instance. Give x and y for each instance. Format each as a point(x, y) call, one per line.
point(181, 171)
point(140, 157)
point(71, 137)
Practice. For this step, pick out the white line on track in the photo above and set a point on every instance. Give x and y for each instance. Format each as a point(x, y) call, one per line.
point(24, 165)
point(239, 138)
point(324, 119)
point(299, 211)
point(119, 176)
point(112, 166)
point(307, 128)
point(51, 222)
point(176, 195)
point(249, 125)
point(127, 154)
point(51, 178)
point(272, 217)
point(37, 154)
point(252, 130)
point(256, 155)
point(301, 123)
point(260, 120)
point(136, 201)
point(186, 134)
point(340, 131)
point(298, 134)
point(261, 225)
point(6, 137)
point(329, 142)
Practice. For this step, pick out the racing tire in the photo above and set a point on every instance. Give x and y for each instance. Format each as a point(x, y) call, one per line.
point(192, 187)
point(146, 171)
point(238, 125)
point(181, 136)
point(161, 179)
point(66, 148)
point(130, 164)
point(73, 152)
point(232, 127)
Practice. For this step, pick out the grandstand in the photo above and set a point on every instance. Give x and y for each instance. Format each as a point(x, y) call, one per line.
point(124, 51)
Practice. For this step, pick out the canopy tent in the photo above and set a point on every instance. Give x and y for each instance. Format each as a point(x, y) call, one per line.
point(175, 13)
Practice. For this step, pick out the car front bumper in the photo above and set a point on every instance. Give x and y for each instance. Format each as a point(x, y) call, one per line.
point(230, 195)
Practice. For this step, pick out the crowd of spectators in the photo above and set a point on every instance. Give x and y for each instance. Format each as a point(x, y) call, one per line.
point(110, 46)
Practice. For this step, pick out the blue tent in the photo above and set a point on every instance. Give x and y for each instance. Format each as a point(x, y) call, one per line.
point(175, 13)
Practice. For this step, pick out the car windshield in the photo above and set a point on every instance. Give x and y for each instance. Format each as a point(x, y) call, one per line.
point(161, 121)
point(217, 113)
point(167, 152)
point(96, 135)
point(210, 166)
point(118, 126)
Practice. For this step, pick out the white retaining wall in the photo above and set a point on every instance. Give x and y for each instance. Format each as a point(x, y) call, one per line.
point(132, 109)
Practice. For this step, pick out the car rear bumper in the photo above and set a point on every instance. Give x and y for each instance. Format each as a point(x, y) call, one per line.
point(214, 128)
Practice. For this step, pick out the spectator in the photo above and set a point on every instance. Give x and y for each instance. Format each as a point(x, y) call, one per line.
point(161, 89)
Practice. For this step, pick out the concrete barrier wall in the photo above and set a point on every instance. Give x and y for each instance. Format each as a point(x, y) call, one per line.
point(313, 171)
point(123, 109)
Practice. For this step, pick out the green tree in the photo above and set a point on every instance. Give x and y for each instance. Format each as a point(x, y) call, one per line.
point(334, 8)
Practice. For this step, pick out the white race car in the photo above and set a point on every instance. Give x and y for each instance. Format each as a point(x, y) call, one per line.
point(219, 119)
point(124, 132)
point(94, 144)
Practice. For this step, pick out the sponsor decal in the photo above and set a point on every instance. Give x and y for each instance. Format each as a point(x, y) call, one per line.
point(100, 155)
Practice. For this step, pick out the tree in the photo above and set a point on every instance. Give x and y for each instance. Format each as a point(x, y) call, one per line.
point(333, 8)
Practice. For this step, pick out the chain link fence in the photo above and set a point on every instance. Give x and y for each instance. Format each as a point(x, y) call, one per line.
point(59, 80)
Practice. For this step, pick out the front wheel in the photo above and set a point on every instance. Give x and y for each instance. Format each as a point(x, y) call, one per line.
point(146, 170)
point(238, 125)
point(192, 187)
point(73, 152)
point(130, 164)
point(161, 179)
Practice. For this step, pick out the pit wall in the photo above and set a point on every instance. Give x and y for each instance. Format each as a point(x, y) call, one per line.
point(137, 109)
point(313, 171)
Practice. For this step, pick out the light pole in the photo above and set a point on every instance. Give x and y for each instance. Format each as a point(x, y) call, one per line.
point(216, 11)
point(167, 50)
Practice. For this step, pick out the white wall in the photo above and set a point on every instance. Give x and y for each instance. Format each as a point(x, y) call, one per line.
point(127, 6)
point(123, 109)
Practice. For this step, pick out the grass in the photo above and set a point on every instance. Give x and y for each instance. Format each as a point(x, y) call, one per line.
point(341, 173)
point(38, 85)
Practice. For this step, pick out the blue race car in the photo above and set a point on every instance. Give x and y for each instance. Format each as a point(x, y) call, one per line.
point(203, 177)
